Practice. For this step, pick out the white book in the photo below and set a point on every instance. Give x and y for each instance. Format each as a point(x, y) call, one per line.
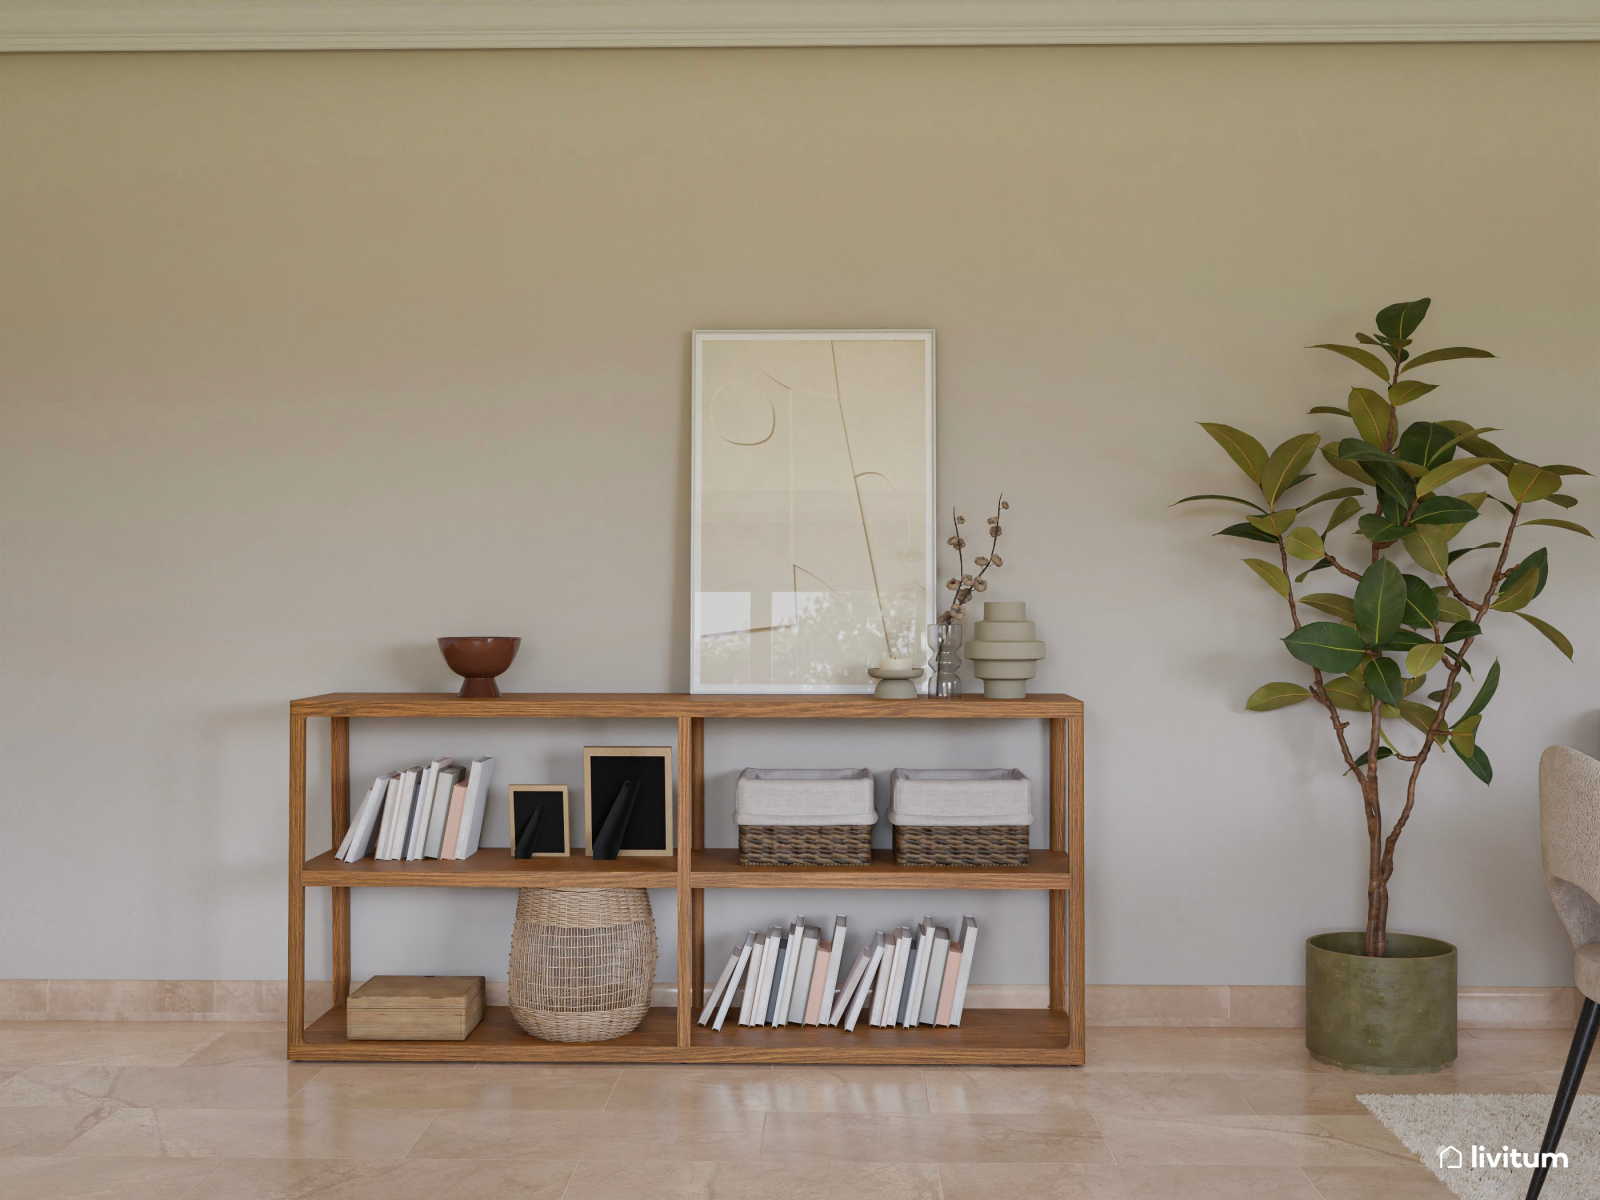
point(919, 973)
point(747, 1006)
point(857, 969)
point(395, 820)
point(969, 938)
point(791, 965)
point(902, 958)
point(938, 952)
point(841, 927)
point(710, 1006)
point(769, 964)
point(880, 987)
point(744, 953)
point(865, 985)
point(434, 842)
point(407, 816)
point(472, 811)
point(358, 842)
point(902, 1004)
point(391, 801)
point(424, 815)
point(810, 938)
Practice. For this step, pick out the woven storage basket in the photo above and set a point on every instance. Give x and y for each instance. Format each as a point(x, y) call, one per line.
point(582, 962)
point(805, 845)
point(961, 845)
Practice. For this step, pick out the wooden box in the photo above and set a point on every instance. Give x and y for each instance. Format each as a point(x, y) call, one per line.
point(418, 1008)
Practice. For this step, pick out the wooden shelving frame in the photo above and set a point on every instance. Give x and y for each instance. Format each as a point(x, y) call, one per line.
point(993, 1036)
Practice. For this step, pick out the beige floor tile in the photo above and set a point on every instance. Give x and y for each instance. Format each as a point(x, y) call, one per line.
point(426, 1179)
point(1051, 1089)
point(1253, 1141)
point(754, 1181)
point(1562, 1037)
point(1415, 1182)
point(157, 1044)
point(785, 1089)
point(1275, 1033)
point(1515, 1056)
point(362, 1086)
point(1055, 1181)
point(1172, 1050)
point(624, 1136)
point(101, 1178)
point(1285, 1094)
point(862, 1137)
point(251, 1133)
point(238, 1048)
point(157, 1087)
point(32, 1131)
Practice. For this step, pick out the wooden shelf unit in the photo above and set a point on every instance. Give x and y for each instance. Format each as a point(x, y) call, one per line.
point(1054, 1036)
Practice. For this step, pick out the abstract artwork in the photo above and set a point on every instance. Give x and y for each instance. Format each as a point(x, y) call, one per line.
point(812, 526)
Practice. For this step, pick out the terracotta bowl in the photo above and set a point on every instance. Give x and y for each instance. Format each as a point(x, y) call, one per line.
point(478, 660)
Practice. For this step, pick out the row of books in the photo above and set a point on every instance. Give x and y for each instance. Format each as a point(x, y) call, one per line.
point(791, 976)
point(432, 811)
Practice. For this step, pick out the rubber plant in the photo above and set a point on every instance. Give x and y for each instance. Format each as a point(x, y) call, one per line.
point(1418, 603)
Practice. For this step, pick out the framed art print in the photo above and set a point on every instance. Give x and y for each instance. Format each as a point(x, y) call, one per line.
point(551, 837)
point(648, 830)
point(812, 522)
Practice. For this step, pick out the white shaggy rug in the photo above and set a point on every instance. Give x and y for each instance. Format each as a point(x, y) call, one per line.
point(1428, 1124)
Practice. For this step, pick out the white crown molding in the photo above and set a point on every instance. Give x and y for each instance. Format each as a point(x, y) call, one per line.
point(71, 25)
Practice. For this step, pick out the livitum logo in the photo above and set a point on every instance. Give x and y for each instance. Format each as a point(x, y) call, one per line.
point(1481, 1156)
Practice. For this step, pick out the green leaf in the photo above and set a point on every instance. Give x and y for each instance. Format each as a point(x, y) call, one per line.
point(1415, 683)
point(1326, 645)
point(1478, 763)
point(1463, 733)
point(1276, 695)
point(1529, 483)
point(1366, 358)
point(1557, 638)
point(1426, 443)
point(1422, 605)
point(1330, 410)
point(1443, 510)
point(1460, 631)
point(1485, 693)
point(1563, 500)
point(1336, 494)
point(1420, 716)
point(1445, 472)
point(1360, 450)
point(1383, 753)
point(1399, 320)
point(1382, 677)
point(1560, 524)
point(1535, 566)
point(1285, 462)
point(1455, 554)
point(1303, 542)
point(1515, 596)
point(1250, 454)
point(1563, 469)
point(1242, 530)
point(1424, 658)
point(1345, 468)
point(1380, 602)
point(1333, 604)
point(1403, 639)
point(1408, 390)
point(1445, 355)
point(1429, 547)
point(1342, 512)
point(1275, 523)
point(1316, 566)
point(1455, 690)
point(1450, 609)
point(1348, 694)
point(1273, 575)
point(1213, 496)
point(1372, 415)
point(1379, 529)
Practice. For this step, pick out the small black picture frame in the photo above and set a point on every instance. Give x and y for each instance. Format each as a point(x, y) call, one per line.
point(553, 838)
point(605, 770)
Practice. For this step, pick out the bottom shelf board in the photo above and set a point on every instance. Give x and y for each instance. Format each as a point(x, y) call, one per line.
point(1003, 1036)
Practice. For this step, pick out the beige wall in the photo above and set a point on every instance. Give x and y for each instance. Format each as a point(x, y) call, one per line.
point(311, 358)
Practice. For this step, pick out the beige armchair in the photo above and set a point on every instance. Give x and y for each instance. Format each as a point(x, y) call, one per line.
point(1569, 827)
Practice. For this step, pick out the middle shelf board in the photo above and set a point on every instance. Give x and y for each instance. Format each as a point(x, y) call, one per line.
point(717, 868)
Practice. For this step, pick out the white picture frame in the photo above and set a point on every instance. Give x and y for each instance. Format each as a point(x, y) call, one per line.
point(812, 517)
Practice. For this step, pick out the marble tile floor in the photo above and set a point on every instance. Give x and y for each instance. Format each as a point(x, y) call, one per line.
point(132, 1111)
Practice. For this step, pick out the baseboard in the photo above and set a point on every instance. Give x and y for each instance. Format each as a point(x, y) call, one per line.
point(1221, 1005)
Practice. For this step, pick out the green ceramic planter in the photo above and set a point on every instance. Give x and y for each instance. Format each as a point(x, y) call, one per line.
point(1387, 1016)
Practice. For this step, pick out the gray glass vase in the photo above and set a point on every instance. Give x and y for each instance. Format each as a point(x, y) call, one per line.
point(945, 642)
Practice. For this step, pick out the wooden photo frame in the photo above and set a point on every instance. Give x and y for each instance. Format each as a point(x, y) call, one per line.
point(554, 836)
point(605, 769)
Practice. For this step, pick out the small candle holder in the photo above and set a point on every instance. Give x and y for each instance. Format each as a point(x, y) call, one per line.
point(895, 685)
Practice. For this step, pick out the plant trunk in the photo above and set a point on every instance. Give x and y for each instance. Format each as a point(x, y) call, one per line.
point(1377, 879)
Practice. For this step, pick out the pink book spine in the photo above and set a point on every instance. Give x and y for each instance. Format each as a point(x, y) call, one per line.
point(819, 979)
point(947, 991)
point(452, 824)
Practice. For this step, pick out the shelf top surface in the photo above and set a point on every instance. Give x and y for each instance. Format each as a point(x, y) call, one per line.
point(671, 705)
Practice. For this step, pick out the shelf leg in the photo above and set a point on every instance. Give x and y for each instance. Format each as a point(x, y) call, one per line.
point(685, 841)
point(1077, 1015)
point(697, 743)
point(340, 759)
point(1058, 843)
point(297, 891)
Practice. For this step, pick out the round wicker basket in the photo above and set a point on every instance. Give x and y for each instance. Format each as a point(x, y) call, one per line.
point(582, 962)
